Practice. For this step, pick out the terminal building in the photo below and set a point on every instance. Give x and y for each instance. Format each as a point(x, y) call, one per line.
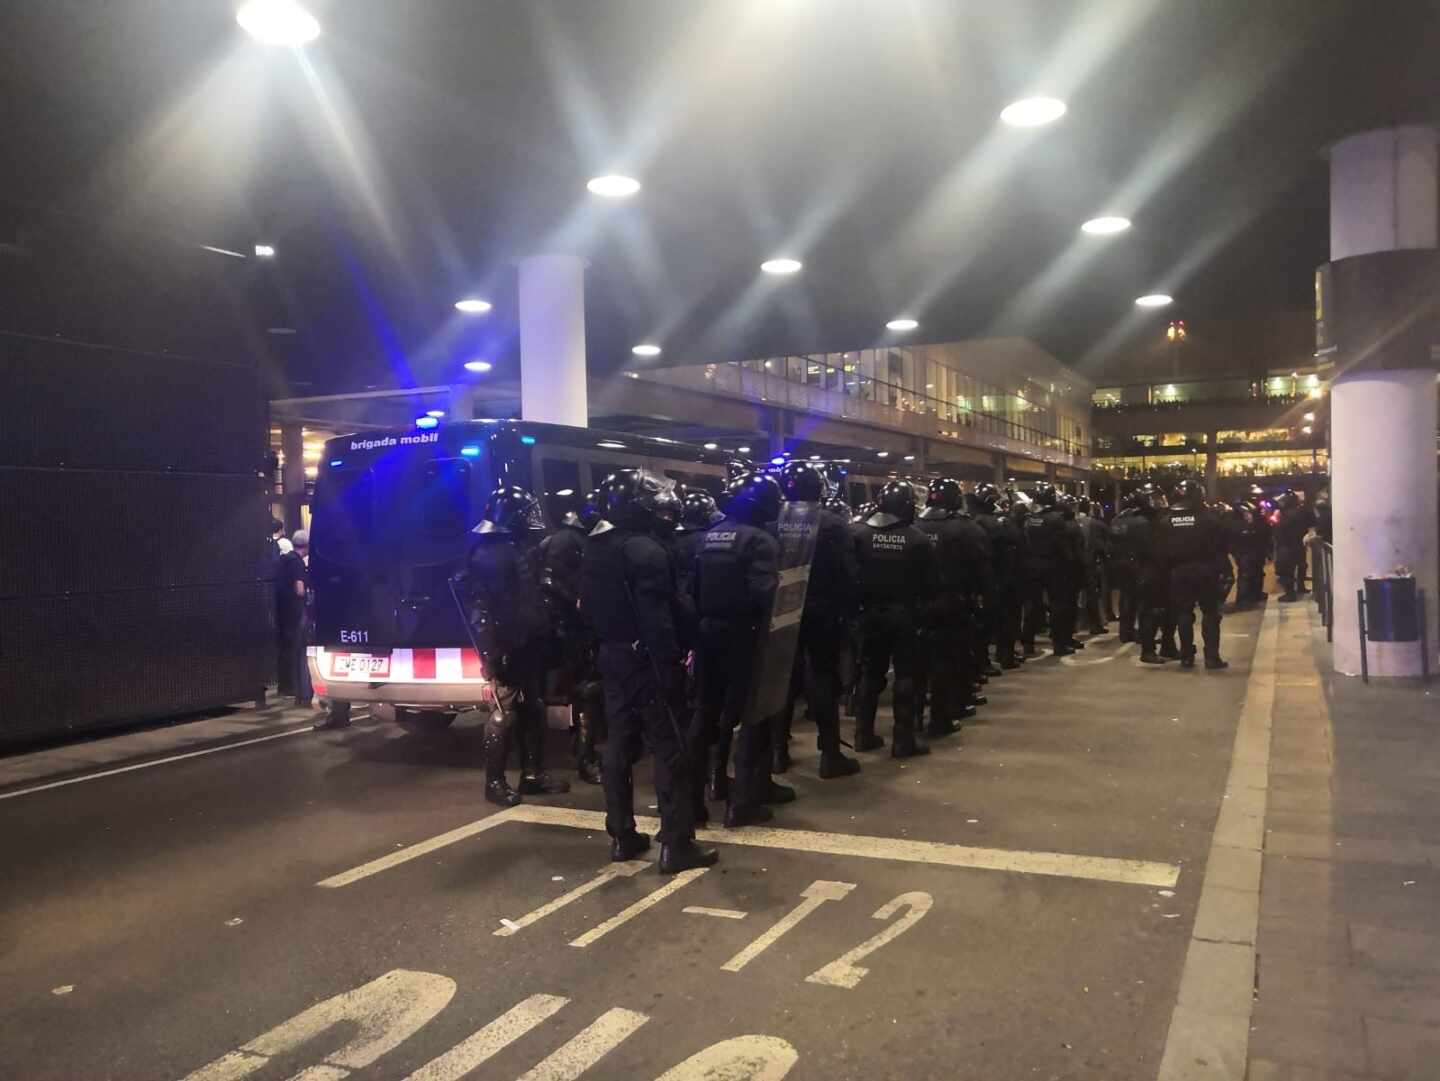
point(988, 410)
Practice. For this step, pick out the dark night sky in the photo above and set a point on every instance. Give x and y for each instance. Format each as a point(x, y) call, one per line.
point(421, 148)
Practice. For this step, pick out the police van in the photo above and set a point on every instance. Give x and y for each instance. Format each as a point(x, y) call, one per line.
point(390, 524)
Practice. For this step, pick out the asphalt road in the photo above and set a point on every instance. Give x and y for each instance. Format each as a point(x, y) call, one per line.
point(345, 904)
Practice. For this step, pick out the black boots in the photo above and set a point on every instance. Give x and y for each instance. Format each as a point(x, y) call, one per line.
point(1214, 664)
point(534, 781)
point(907, 745)
point(685, 855)
point(629, 846)
point(718, 788)
point(755, 815)
point(497, 749)
point(833, 764)
point(1152, 658)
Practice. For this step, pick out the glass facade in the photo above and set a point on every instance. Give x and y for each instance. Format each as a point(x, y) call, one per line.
point(893, 386)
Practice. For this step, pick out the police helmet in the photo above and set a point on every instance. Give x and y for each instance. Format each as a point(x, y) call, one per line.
point(1066, 502)
point(836, 504)
point(895, 504)
point(1149, 497)
point(511, 509)
point(1287, 500)
point(592, 511)
point(1085, 505)
point(863, 511)
point(698, 510)
point(943, 499)
point(1189, 492)
point(801, 482)
point(667, 510)
point(631, 498)
point(754, 499)
point(986, 498)
point(1043, 493)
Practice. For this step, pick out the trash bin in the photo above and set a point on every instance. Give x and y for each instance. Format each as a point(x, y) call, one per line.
point(1391, 611)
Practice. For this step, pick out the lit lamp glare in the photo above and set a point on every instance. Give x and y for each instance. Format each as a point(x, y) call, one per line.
point(480, 367)
point(781, 266)
point(1032, 112)
point(1154, 300)
point(901, 324)
point(278, 22)
point(472, 306)
point(1107, 225)
point(646, 350)
point(613, 186)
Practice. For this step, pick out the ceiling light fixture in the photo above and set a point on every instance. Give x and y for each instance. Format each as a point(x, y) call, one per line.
point(781, 266)
point(909, 457)
point(613, 186)
point(646, 350)
point(610, 444)
point(712, 446)
point(278, 22)
point(742, 450)
point(436, 413)
point(883, 454)
point(472, 306)
point(1154, 300)
point(1032, 112)
point(901, 324)
point(1107, 225)
point(478, 366)
point(264, 251)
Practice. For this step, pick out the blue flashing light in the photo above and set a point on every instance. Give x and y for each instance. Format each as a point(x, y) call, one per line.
point(779, 459)
point(336, 463)
point(470, 451)
point(528, 440)
point(426, 422)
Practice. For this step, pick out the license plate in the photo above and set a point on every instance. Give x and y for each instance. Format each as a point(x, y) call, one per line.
point(360, 666)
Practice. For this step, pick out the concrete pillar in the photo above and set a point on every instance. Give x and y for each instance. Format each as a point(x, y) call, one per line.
point(998, 460)
point(552, 340)
point(462, 403)
point(1212, 470)
point(1382, 191)
point(292, 475)
point(1383, 196)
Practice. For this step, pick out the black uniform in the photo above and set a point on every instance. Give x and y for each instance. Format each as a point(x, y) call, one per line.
point(831, 601)
point(1002, 604)
point(963, 576)
point(898, 579)
point(1131, 543)
point(1054, 561)
point(1096, 540)
point(1192, 543)
point(511, 626)
point(1290, 533)
point(563, 556)
point(627, 595)
point(734, 588)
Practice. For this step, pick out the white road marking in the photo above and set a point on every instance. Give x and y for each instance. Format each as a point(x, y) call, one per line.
point(844, 972)
point(63, 989)
point(684, 878)
point(1059, 864)
point(743, 1058)
point(386, 1011)
point(155, 762)
point(718, 913)
point(415, 851)
point(615, 870)
point(1090, 662)
point(815, 894)
point(608, 1031)
point(499, 1034)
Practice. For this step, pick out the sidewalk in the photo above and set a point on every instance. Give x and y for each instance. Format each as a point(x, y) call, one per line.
point(1347, 980)
point(185, 736)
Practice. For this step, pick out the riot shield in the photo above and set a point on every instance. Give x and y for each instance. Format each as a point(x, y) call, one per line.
point(775, 648)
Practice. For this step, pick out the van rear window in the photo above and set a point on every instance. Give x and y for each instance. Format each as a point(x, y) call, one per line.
point(445, 497)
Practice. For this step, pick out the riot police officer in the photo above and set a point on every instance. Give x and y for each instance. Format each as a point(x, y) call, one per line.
point(627, 594)
point(562, 556)
point(962, 563)
point(832, 598)
point(698, 512)
point(736, 577)
point(1094, 584)
point(1146, 601)
point(897, 580)
point(1193, 548)
point(509, 627)
point(1295, 521)
point(1050, 565)
point(1002, 605)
